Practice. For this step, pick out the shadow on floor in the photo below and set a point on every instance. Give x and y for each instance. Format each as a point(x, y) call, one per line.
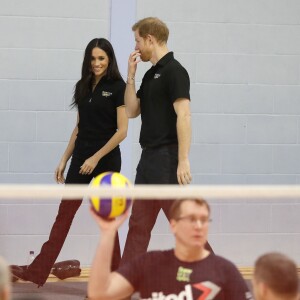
point(57, 291)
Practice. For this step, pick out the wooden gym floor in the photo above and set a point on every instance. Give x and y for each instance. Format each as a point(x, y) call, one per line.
point(75, 288)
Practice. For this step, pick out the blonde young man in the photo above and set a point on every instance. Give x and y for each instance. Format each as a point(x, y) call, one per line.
point(4, 281)
point(163, 102)
point(187, 272)
point(275, 278)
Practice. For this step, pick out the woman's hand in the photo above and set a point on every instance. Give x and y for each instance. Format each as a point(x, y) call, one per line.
point(89, 165)
point(59, 173)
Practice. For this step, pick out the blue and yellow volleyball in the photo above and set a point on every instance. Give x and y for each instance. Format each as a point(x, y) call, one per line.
point(114, 206)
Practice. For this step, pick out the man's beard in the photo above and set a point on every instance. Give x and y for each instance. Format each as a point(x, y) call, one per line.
point(146, 55)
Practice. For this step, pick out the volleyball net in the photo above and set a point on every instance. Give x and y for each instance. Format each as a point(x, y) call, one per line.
point(144, 192)
point(241, 230)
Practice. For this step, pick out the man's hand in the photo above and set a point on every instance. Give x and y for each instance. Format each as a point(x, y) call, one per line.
point(184, 172)
point(133, 60)
point(107, 225)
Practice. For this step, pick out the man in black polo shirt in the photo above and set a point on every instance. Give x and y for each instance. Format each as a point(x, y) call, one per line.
point(186, 272)
point(163, 101)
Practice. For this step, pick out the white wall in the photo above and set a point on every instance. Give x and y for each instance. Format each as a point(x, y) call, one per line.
point(41, 52)
point(243, 58)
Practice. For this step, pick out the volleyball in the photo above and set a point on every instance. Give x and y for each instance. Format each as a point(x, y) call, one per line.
point(113, 206)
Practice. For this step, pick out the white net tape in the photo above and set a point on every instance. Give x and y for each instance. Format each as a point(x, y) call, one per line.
point(231, 192)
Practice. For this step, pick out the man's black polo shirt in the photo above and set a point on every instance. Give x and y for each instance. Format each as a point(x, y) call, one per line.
point(162, 84)
point(97, 113)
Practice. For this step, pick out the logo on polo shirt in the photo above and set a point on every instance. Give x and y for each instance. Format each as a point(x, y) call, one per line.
point(106, 94)
point(183, 274)
point(206, 290)
point(156, 76)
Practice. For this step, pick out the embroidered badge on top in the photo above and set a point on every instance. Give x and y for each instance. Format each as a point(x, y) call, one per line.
point(106, 94)
point(156, 76)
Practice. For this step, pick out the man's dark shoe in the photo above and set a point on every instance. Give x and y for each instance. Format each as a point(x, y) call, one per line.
point(66, 269)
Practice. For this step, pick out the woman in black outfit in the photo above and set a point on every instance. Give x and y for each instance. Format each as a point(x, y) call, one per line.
point(94, 146)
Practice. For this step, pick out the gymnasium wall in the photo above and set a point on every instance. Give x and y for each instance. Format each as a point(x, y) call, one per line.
point(244, 62)
point(243, 58)
point(41, 52)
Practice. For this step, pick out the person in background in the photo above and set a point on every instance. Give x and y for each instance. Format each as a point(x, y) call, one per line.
point(5, 286)
point(94, 147)
point(189, 271)
point(275, 278)
point(163, 102)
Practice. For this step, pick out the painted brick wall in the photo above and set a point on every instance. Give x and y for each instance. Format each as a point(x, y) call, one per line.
point(41, 52)
point(243, 60)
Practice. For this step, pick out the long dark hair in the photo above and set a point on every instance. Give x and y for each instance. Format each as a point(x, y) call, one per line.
point(84, 85)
